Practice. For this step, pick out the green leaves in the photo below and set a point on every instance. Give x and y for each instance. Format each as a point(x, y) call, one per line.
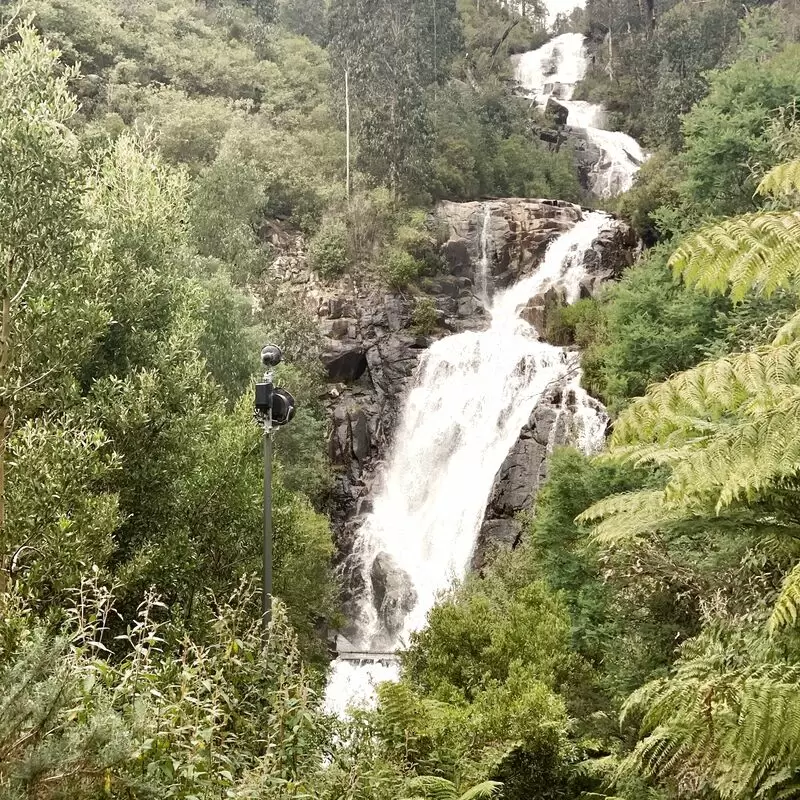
point(428, 787)
point(757, 252)
point(727, 719)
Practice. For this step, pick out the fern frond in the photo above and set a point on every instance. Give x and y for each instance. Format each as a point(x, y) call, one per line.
point(630, 515)
point(483, 791)
point(789, 332)
point(432, 787)
point(781, 180)
point(755, 252)
point(735, 729)
point(691, 403)
point(787, 606)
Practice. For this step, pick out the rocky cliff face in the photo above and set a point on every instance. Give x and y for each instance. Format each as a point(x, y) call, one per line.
point(371, 350)
point(554, 422)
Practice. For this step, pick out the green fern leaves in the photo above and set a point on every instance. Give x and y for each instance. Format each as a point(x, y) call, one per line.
point(783, 180)
point(429, 787)
point(787, 607)
point(715, 725)
point(727, 436)
point(752, 253)
point(756, 252)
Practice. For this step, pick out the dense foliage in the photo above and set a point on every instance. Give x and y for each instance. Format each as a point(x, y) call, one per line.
point(155, 157)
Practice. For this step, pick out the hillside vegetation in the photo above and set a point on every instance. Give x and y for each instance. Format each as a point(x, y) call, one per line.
point(641, 643)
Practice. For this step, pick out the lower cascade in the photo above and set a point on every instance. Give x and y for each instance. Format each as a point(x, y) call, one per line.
point(470, 396)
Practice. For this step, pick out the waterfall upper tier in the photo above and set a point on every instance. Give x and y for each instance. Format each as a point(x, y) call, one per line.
point(550, 74)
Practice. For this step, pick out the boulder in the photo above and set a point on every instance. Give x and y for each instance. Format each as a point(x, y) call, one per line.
point(345, 364)
point(614, 250)
point(557, 112)
point(538, 310)
point(455, 252)
point(587, 154)
point(359, 435)
point(393, 593)
point(340, 307)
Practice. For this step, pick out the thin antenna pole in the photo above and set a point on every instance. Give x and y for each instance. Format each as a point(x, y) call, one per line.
point(347, 115)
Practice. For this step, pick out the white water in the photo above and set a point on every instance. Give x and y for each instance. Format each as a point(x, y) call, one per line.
point(553, 71)
point(471, 395)
point(483, 274)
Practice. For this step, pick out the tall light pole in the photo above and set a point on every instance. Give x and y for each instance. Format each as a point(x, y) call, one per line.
point(274, 407)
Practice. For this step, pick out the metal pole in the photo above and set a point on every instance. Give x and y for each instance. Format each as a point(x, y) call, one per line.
point(347, 117)
point(266, 595)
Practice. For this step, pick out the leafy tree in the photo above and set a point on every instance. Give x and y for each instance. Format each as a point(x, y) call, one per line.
point(727, 132)
point(305, 17)
point(51, 282)
point(653, 327)
point(481, 678)
point(391, 53)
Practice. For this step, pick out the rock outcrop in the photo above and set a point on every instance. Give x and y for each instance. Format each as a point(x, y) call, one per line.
point(393, 596)
point(559, 418)
point(508, 237)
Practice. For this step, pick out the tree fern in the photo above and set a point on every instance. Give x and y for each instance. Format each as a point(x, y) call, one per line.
point(781, 180)
point(429, 787)
point(755, 252)
point(728, 429)
point(787, 606)
point(726, 722)
point(719, 724)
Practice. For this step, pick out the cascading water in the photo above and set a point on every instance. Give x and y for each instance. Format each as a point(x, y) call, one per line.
point(471, 395)
point(552, 71)
point(483, 274)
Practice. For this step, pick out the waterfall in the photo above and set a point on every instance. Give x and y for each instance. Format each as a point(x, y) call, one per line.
point(470, 396)
point(552, 72)
point(485, 258)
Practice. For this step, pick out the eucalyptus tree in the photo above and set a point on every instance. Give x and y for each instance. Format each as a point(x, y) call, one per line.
point(392, 52)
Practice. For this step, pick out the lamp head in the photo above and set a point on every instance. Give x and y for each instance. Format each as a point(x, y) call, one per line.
point(271, 355)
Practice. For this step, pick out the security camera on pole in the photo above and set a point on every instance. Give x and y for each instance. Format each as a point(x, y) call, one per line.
point(274, 407)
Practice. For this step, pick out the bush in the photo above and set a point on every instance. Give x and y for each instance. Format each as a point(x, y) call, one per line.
point(424, 318)
point(370, 218)
point(402, 268)
point(579, 324)
point(327, 252)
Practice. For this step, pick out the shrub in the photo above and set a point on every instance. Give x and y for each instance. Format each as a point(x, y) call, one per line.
point(402, 268)
point(327, 252)
point(424, 318)
point(580, 324)
point(370, 218)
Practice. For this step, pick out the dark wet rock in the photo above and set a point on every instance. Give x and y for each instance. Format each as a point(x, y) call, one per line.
point(345, 364)
point(557, 112)
point(393, 592)
point(550, 425)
